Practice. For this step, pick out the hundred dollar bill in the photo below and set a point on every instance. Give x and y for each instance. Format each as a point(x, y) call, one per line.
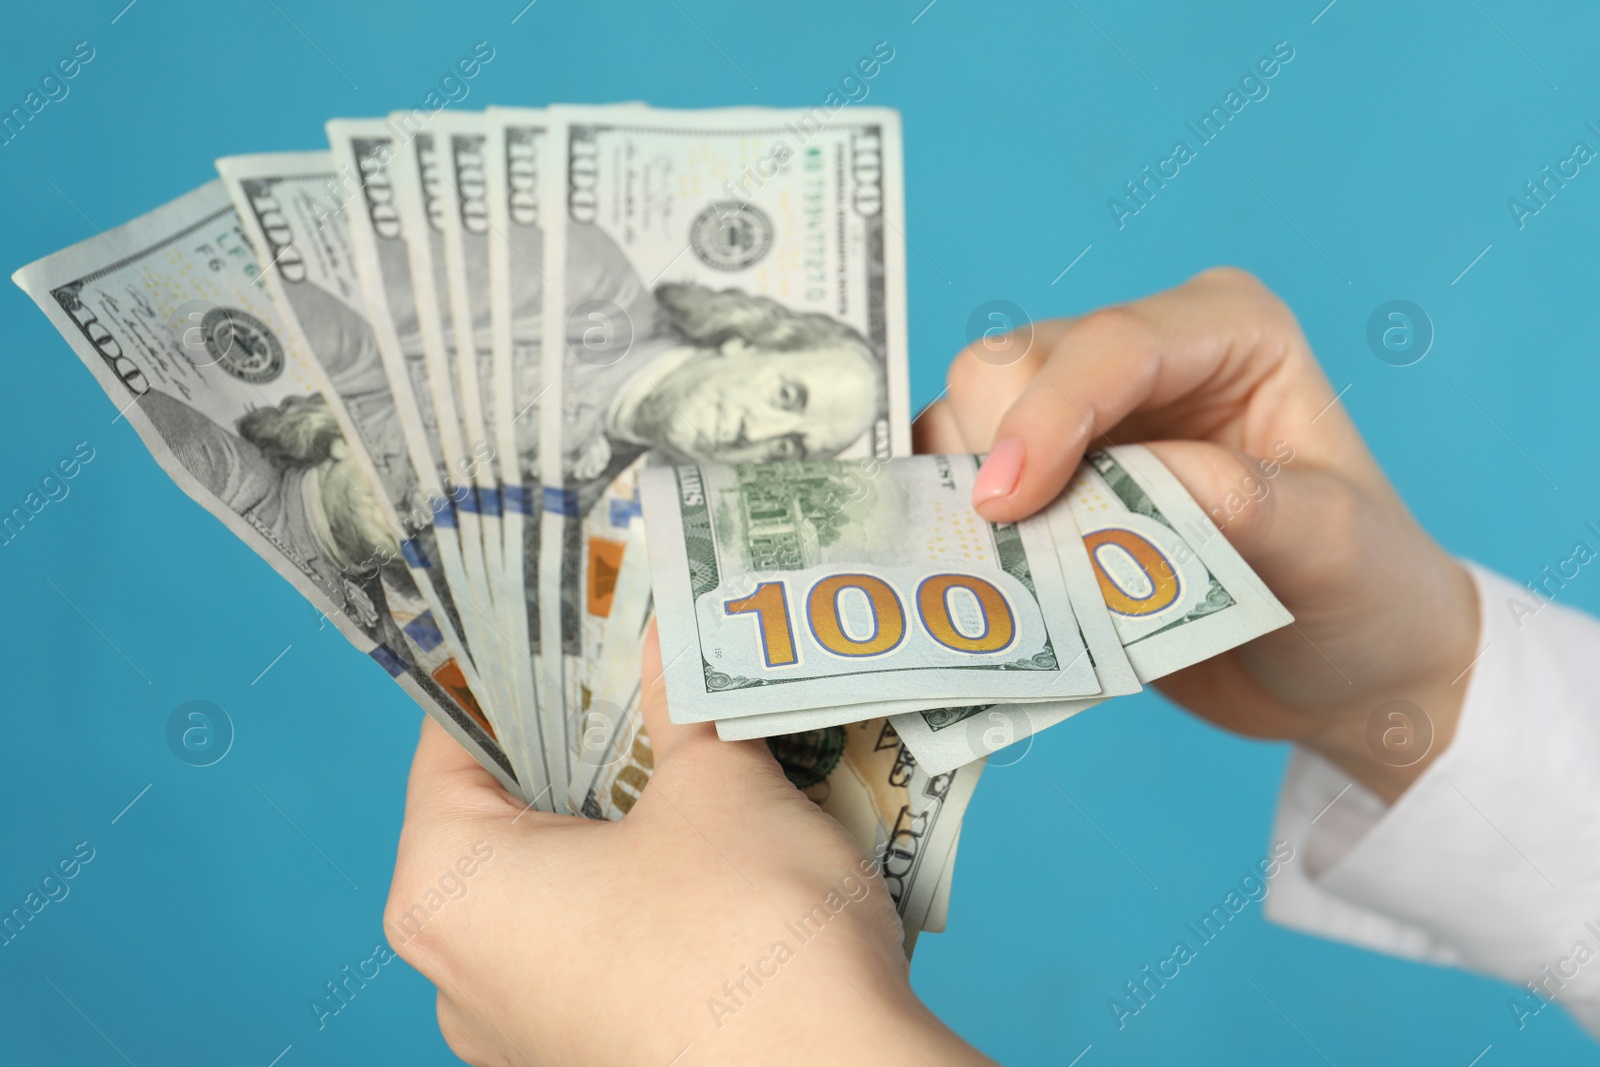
point(720, 285)
point(985, 728)
point(613, 677)
point(421, 198)
point(459, 197)
point(1176, 591)
point(367, 150)
point(1039, 713)
point(291, 206)
point(603, 534)
point(515, 248)
point(905, 818)
point(460, 200)
point(616, 784)
point(168, 314)
point(774, 723)
point(611, 737)
point(939, 908)
point(786, 586)
point(430, 212)
point(945, 738)
point(294, 206)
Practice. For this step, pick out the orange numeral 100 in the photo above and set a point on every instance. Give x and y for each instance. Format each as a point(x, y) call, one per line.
point(771, 607)
point(1164, 587)
point(770, 604)
point(933, 605)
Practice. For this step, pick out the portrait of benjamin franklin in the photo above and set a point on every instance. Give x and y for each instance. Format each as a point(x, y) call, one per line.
point(701, 374)
point(288, 472)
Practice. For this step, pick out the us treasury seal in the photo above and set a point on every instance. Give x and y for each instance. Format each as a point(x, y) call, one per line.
point(242, 345)
point(730, 235)
point(810, 757)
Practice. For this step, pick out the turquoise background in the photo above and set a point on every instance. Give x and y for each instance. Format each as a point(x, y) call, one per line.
point(1381, 165)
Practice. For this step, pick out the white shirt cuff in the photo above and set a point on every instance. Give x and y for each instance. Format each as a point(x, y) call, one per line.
point(1491, 860)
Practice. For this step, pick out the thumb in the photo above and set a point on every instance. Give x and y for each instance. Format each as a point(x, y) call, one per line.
point(1210, 473)
point(691, 753)
point(1278, 515)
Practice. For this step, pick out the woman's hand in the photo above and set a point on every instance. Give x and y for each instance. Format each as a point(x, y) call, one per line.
point(1215, 375)
point(688, 933)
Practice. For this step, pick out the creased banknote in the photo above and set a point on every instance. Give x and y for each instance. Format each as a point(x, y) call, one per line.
point(907, 819)
point(515, 248)
point(168, 313)
point(717, 285)
point(291, 205)
point(295, 207)
point(1176, 592)
point(783, 587)
point(421, 201)
point(367, 153)
point(456, 198)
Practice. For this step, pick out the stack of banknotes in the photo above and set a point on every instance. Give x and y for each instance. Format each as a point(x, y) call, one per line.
point(447, 374)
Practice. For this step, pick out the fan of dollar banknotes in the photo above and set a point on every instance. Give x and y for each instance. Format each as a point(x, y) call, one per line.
point(493, 390)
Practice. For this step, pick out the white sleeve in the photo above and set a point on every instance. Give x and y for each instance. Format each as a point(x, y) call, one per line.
point(1491, 860)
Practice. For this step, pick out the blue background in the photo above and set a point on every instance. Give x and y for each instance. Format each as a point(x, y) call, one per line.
point(1382, 162)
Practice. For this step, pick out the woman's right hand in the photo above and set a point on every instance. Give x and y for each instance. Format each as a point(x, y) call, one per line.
point(1216, 376)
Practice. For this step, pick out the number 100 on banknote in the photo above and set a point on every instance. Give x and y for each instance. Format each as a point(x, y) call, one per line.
point(790, 586)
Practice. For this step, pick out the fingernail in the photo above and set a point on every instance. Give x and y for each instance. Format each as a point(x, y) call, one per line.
point(998, 475)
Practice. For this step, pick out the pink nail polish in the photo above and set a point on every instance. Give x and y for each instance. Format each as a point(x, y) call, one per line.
point(1000, 471)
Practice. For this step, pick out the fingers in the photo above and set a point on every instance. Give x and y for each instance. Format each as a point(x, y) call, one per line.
point(1277, 514)
point(989, 375)
point(445, 780)
point(1312, 535)
point(463, 1031)
point(665, 735)
point(1232, 489)
point(1186, 361)
point(935, 430)
point(449, 799)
